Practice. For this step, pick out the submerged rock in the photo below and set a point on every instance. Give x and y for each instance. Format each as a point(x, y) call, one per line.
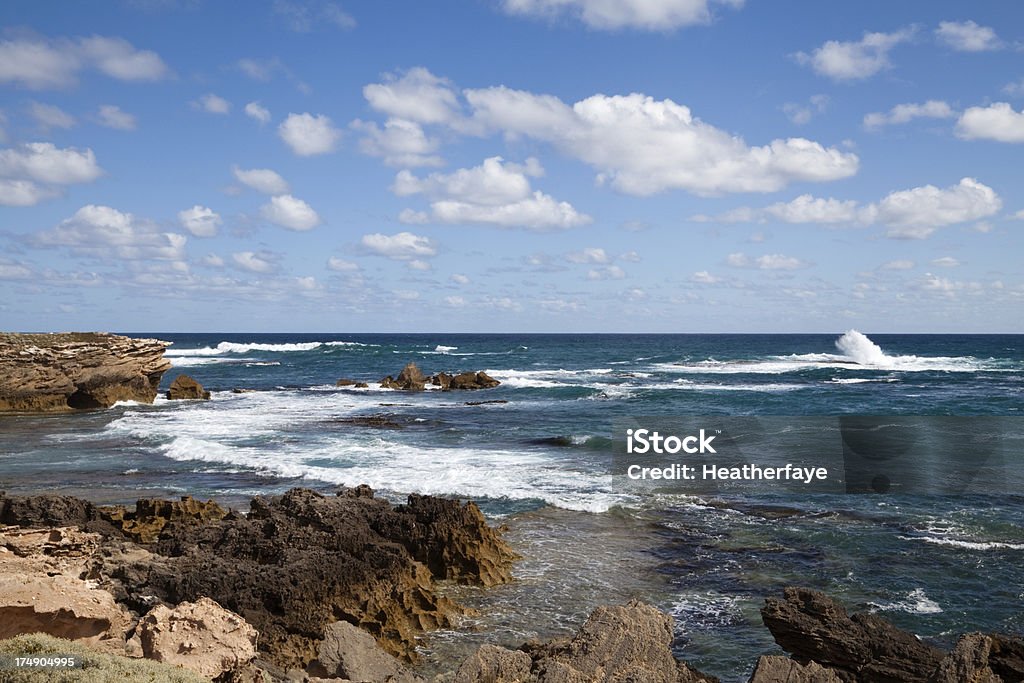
point(185, 388)
point(77, 370)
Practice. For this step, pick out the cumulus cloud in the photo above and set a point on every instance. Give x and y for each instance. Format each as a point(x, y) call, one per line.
point(909, 214)
point(967, 36)
point(261, 179)
point(765, 262)
point(703, 277)
point(256, 111)
point(403, 246)
point(102, 231)
point(997, 122)
point(803, 113)
point(212, 104)
point(399, 143)
point(663, 15)
point(341, 265)
point(31, 173)
point(308, 135)
point(201, 221)
point(40, 63)
point(589, 255)
point(903, 113)
point(494, 193)
point(854, 60)
point(415, 95)
point(459, 279)
point(262, 262)
point(606, 273)
point(290, 212)
point(49, 116)
point(112, 116)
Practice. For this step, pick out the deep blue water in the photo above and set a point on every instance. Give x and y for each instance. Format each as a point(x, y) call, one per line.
point(938, 565)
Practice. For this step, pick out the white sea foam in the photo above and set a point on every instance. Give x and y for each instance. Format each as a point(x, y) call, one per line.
point(967, 545)
point(445, 349)
point(226, 347)
point(915, 602)
point(701, 611)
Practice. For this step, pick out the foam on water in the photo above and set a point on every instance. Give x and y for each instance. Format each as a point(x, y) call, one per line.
point(226, 347)
point(915, 602)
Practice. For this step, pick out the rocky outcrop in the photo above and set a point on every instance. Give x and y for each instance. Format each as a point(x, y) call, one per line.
point(355, 384)
point(863, 647)
point(616, 644)
point(80, 370)
point(352, 654)
point(201, 636)
point(979, 658)
point(185, 388)
point(776, 669)
point(151, 515)
point(411, 378)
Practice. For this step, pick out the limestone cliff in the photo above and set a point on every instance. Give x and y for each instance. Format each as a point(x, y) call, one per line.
point(77, 370)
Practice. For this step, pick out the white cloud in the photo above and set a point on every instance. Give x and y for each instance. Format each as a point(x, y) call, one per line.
point(39, 63)
point(705, 278)
point(606, 273)
point(341, 265)
point(902, 113)
point(460, 279)
point(302, 17)
point(253, 262)
point(48, 116)
point(997, 121)
point(415, 95)
point(630, 257)
point(22, 193)
point(261, 179)
point(308, 135)
point(1015, 89)
point(257, 111)
point(765, 262)
point(12, 270)
point(854, 60)
point(918, 212)
point(967, 36)
point(260, 69)
point(200, 221)
point(809, 209)
point(494, 193)
point(212, 104)
point(589, 255)
point(1019, 215)
point(403, 246)
point(910, 214)
point(737, 260)
point(642, 146)
point(419, 265)
point(902, 264)
point(103, 231)
point(290, 212)
point(400, 143)
point(213, 261)
point(454, 301)
point(45, 163)
point(803, 113)
point(946, 262)
point(662, 15)
point(112, 116)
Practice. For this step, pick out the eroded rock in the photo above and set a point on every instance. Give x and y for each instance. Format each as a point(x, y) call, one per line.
point(352, 654)
point(411, 378)
point(776, 669)
point(79, 370)
point(185, 388)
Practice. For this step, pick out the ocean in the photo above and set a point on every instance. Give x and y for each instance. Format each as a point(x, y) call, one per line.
point(536, 454)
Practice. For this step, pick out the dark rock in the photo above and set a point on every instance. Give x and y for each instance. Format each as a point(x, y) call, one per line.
point(471, 381)
point(979, 658)
point(375, 421)
point(151, 515)
point(242, 391)
point(185, 388)
point(412, 379)
point(486, 403)
point(345, 383)
point(441, 379)
point(361, 385)
point(775, 669)
point(409, 379)
point(863, 647)
point(79, 370)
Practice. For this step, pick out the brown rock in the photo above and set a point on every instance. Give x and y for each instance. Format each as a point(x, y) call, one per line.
point(185, 388)
point(361, 385)
point(352, 654)
point(775, 669)
point(200, 636)
point(979, 658)
point(441, 379)
point(151, 515)
point(472, 381)
point(81, 370)
point(345, 383)
point(493, 664)
point(863, 647)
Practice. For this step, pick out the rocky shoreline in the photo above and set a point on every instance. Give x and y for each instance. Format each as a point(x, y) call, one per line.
point(313, 587)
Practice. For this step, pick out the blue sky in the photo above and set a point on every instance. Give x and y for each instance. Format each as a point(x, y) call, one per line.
point(512, 165)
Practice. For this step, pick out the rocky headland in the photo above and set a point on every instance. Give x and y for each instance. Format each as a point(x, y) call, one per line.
point(309, 587)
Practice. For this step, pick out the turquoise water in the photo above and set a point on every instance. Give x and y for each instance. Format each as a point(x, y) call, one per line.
point(938, 565)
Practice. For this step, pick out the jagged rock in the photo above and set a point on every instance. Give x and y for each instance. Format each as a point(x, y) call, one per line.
point(352, 654)
point(775, 669)
point(471, 381)
point(302, 561)
point(346, 383)
point(77, 370)
point(200, 636)
point(442, 379)
point(493, 664)
point(151, 515)
point(630, 642)
point(979, 658)
point(185, 388)
point(863, 647)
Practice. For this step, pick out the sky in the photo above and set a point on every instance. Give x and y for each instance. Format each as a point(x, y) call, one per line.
point(512, 166)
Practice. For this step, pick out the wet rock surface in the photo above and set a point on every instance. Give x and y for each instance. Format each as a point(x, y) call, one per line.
point(411, 378)
point(185, 388)
point(80, 370)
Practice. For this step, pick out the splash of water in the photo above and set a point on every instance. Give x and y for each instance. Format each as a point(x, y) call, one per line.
point(856, 346)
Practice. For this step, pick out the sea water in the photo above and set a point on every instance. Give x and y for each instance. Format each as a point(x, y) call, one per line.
point(536, 457)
